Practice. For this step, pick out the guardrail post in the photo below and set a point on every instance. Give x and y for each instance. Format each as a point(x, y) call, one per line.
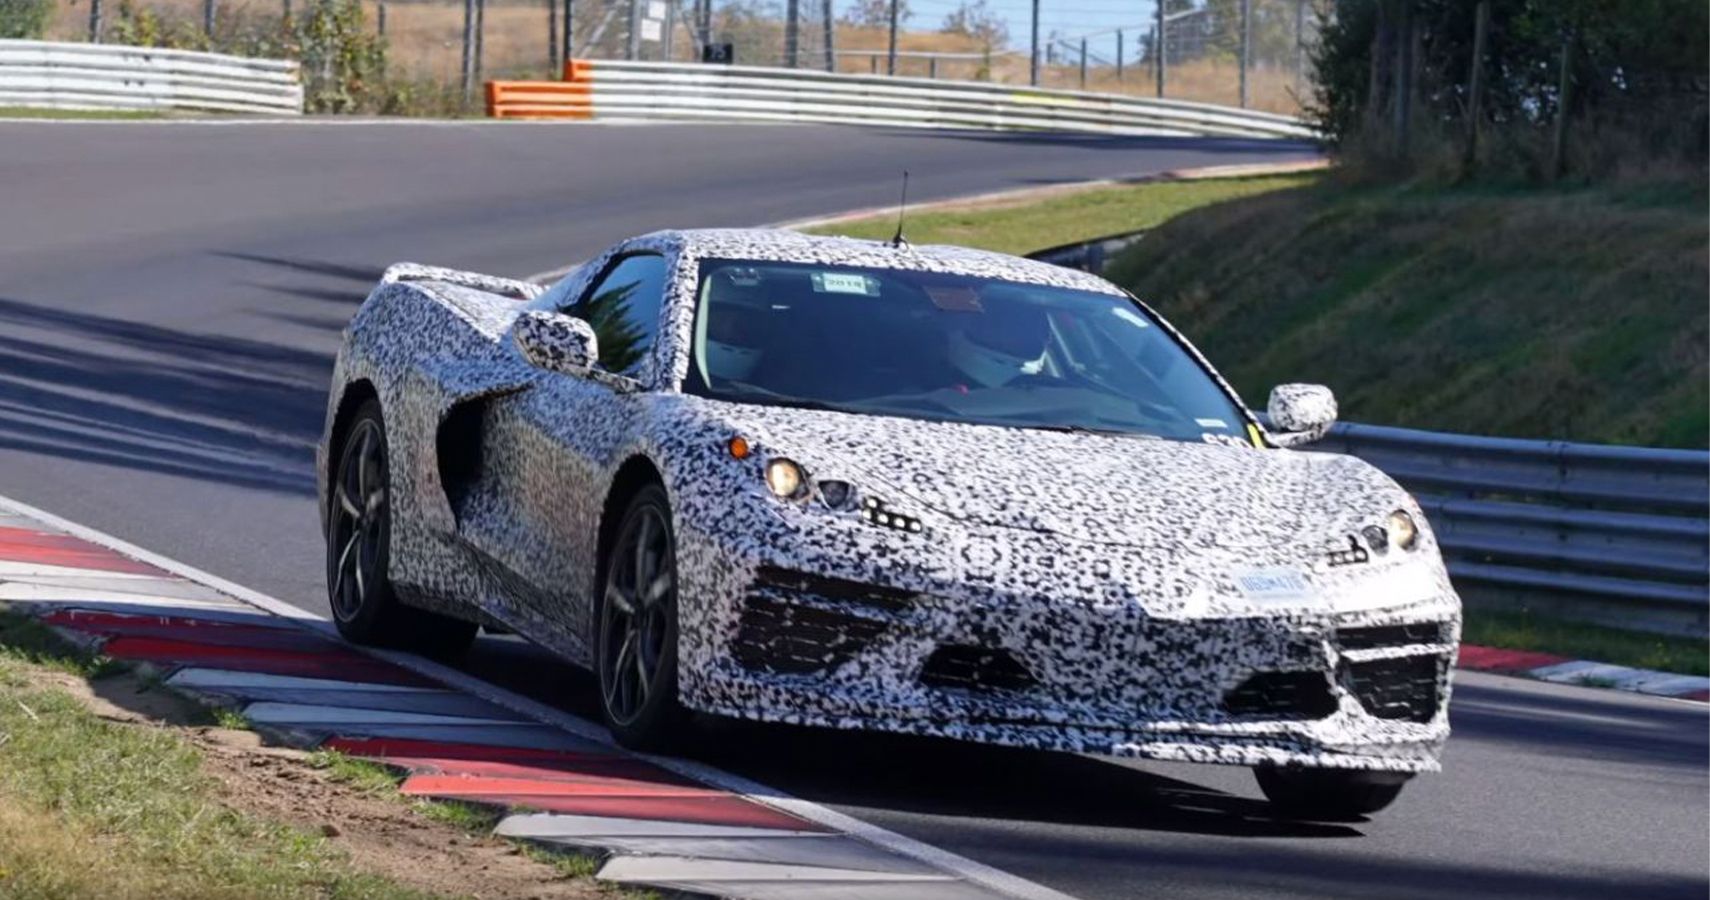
point(932, 67)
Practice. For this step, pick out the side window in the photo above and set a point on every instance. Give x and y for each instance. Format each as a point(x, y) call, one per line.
point(623, 307)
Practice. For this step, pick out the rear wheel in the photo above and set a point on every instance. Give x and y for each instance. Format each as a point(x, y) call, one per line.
point(636, 634)
point(1329, 794)
point(359, 529)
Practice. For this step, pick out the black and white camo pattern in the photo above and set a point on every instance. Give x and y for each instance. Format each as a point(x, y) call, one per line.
point(1111, 567)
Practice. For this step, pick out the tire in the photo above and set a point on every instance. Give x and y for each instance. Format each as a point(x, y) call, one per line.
point(1329, 794)
point(635, 632)
point(359, 528)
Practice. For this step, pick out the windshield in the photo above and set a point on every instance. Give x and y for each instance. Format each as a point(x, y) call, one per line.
point(947, 347)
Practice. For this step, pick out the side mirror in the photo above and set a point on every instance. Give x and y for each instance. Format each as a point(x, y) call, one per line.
point(1300, 413)
point(556, 342)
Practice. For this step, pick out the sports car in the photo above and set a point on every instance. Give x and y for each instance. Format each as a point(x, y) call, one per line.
point(866, 485)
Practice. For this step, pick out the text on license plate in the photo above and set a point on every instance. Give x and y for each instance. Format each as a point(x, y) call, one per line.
point(1273, 585)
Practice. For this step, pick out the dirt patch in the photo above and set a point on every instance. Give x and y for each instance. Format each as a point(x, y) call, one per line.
point(380, 833)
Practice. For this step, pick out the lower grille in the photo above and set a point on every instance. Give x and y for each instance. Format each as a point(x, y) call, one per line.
point(1401, 688)
point(1389, 635)
point(785, 638)
point(1282, 695)
point(975, 669)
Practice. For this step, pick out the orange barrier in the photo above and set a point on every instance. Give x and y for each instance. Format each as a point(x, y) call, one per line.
point(539, 100)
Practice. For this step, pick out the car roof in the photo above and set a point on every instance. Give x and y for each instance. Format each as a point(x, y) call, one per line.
point(781, 245)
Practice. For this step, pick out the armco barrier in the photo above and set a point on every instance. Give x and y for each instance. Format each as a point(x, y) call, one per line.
point(51, 75)
point(1606, 533)
point(1587, 531)
point(691, 92)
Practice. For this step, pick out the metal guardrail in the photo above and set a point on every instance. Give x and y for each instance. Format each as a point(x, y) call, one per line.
point(1602, 533)
point(692, 92)
point(44, 74)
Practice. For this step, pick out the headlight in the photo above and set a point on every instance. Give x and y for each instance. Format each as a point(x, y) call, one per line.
point(1402, 531)
point(785, 478)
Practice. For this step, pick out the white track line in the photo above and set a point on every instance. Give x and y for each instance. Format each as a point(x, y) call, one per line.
point(967, 869)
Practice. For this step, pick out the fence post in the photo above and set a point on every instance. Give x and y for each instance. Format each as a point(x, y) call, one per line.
point(1246, 46)
point(468, 50)
point(380, 18)
point(552, 65)
point(1033, 58)
point(1083, 64)
point(792, 33)
point(932, 67)
point(480, 38)
point(670, 30)
point(1119, 55)
point(569, 19)
point(830, 39)
point(891, 54)
point(1159, 44)
point(95, 21)
point(632, 49)
point(208, 18)
point(1564, 83)
point(1475, 85)
point(1299, 45)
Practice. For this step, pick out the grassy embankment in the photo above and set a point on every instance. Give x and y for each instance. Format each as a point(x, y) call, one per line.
point(1564, 312)
point(111, 786)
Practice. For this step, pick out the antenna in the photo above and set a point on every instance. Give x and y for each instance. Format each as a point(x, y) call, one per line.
point(902, 209)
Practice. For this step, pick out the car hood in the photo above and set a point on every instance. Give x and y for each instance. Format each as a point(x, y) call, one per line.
point(1100, 488)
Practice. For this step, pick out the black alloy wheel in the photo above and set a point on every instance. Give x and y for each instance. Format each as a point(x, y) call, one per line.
point(359, 529)
point(636, 635)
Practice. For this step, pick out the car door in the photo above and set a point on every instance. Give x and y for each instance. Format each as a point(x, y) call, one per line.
point(552, 450)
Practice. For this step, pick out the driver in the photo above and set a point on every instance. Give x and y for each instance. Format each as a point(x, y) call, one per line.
point(1001, 343)
point(734, 343)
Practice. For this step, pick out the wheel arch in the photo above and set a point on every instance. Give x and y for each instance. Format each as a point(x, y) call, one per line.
point(356, 393)
point(635, 473)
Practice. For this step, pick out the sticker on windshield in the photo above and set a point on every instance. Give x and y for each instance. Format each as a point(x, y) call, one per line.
point(1273, 586)
point(843, 283)
point(1211, 423)
point(954, 298)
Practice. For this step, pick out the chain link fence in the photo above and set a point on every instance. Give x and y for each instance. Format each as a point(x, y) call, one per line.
point(1252, 53)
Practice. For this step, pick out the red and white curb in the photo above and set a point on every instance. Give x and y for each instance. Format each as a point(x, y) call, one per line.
point(658, 821)
point(1565, 670)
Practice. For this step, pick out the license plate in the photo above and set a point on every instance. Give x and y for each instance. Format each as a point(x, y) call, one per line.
point(1274, 586)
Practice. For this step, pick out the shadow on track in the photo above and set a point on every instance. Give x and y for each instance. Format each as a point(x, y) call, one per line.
point(217, 408)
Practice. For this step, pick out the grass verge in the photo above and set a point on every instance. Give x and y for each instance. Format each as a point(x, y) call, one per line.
point(1597, 643)
point(1024, 225)
point(1569, 312)
point(96, 808)
point(30, 112)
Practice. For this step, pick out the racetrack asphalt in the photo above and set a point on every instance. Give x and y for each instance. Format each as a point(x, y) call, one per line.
point(171, 296)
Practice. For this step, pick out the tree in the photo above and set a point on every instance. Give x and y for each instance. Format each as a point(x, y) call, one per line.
point(975, 19)
point(877, 13)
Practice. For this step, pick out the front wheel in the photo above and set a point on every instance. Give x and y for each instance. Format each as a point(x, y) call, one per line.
point(1329, 794)
point(359, 533)
point(636, 634)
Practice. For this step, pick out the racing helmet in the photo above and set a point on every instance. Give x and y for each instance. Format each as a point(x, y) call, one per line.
point(998, 343)
point(734, 343)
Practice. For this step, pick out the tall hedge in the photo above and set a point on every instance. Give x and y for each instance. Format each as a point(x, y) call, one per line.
point(24, 18)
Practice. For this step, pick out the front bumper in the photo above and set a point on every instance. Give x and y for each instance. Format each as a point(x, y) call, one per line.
point(1366, 690)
